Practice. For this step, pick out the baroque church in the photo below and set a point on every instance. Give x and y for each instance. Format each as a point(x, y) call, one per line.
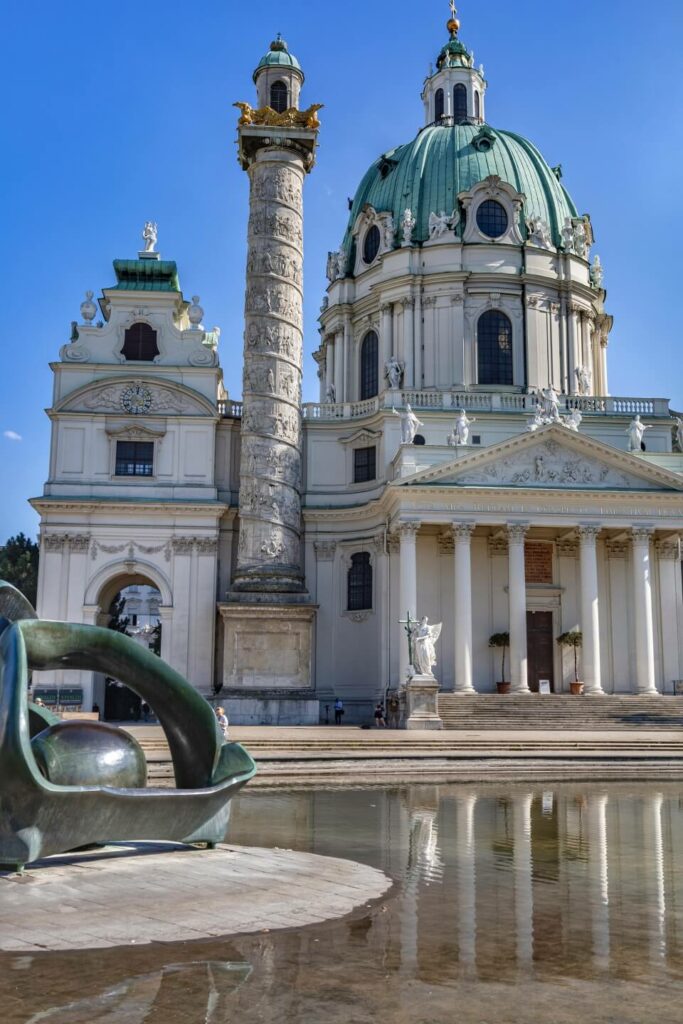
point(465, 461)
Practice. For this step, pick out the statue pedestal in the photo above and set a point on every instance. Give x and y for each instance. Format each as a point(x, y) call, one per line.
point(422, 703)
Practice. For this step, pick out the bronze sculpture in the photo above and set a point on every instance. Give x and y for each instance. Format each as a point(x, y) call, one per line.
point(39, 815)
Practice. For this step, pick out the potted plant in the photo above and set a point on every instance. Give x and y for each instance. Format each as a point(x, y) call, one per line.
point(573, 640)
point(502, 642)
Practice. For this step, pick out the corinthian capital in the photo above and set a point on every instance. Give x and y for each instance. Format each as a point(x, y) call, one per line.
point(642, 534)
point(588, 534)
point(409, 530)
point(462, 531)
point(517, 532)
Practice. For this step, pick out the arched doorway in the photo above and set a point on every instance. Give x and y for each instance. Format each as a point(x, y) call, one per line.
point(128, 605)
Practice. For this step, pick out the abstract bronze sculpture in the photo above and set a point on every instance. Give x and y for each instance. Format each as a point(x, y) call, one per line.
point(40, 816)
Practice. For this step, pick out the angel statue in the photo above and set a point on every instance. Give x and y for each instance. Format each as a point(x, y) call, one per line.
point(440, 223)
point(393, 371)
point(150, 235)
point(424, 650)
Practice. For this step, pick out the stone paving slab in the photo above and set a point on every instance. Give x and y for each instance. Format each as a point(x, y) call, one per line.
point(138, 893)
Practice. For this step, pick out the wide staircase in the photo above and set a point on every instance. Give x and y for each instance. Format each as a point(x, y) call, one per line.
point(551, 713)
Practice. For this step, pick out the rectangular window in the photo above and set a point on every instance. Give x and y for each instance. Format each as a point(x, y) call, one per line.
point(134, 458)
point(364, 465)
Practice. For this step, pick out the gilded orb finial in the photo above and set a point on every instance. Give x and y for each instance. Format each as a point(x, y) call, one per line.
point(453, 24)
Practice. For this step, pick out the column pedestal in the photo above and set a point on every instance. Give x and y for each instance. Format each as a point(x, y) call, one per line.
point(422, 703)
point(267, 664)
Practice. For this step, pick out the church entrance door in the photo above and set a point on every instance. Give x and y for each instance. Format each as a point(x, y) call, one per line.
point(540, 649)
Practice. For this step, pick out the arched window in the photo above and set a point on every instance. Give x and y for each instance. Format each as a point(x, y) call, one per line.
point(359, 583)
point(278, 97)
point(369, 366)
point(371, 245)
point(477, 105)
point(460, 103)
point(494, 348)
point(438, 104)
point(140, 344)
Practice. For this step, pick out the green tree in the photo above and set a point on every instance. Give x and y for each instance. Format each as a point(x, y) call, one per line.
point(19, 565)
point(117, 620)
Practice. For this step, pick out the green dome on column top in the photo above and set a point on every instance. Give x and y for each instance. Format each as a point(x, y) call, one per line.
point(427, 175)
point(279, 56)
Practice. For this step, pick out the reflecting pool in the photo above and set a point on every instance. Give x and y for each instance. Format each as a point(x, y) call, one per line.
point(511, 904)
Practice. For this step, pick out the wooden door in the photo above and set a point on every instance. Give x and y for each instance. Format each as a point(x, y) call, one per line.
point(540, 649)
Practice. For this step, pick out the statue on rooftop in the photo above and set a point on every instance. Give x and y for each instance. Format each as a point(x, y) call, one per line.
point(409, 424)
point(150, 234)
point(636, 431)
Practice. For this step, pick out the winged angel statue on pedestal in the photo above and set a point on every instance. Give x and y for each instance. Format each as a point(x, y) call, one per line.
point(424, 647)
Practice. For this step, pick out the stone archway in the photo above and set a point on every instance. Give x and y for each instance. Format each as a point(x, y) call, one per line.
point(130, 599)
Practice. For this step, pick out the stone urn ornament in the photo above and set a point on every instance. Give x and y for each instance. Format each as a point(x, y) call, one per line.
point(195, 314)
point(88, 308)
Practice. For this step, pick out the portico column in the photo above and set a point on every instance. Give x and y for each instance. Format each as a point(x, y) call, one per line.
point(590, 609)
point(387, 346)
point(462, 536)
point(642, 610)
point(338, 367)
point(517, 600)
point(409, 342)
point(408, 557)
point(669, 558)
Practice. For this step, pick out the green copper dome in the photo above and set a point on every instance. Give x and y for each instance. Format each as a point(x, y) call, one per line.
point(427, 175)
point(278, 56)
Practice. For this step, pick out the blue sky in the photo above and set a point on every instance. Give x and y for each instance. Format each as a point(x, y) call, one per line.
point(115, 115)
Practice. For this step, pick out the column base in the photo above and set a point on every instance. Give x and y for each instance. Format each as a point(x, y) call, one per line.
point(422, 704)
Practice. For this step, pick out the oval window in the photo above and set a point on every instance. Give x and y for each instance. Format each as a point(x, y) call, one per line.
point(371, 245)
point(492, 219)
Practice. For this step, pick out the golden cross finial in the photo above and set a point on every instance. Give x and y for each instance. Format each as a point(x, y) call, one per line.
point(453, 23)
point(453, 9)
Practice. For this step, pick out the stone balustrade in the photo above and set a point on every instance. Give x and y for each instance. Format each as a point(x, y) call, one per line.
point(472, 401)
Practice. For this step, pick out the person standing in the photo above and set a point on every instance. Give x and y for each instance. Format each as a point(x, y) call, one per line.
point(380, 721)
point(338, 710)
point(222, 720)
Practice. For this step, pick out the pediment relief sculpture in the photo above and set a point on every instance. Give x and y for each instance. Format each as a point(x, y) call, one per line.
point(550, 464)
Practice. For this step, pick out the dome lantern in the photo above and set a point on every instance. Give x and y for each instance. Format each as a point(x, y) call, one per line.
point(454, 93)
point(278, 77)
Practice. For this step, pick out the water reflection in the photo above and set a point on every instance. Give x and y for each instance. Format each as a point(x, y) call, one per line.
point(517, 903)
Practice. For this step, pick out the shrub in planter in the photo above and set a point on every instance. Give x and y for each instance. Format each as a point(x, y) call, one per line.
point(501, 641)
point(573, 640)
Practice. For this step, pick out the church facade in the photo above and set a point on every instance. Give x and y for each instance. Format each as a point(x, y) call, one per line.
point(465, 460)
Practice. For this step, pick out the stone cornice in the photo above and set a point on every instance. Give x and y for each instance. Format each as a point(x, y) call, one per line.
point(47, 506)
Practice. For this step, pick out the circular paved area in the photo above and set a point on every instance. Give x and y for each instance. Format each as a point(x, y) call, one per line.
point(139, 893)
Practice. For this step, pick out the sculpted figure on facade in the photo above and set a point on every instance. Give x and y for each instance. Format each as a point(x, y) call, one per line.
point(636, 432)
point(409, 424)
point(574, 420)
point(538, 420)
point(550, 401)
point(331, 394)
point(441, 224)
point(678, 432)
point(580, 239)
point(393, 371)
point(408, 225)
point(539, 233)
point(568, 236)
point(150, 235)
point(424, 647)
point(584, 379)
point(597, 273)
point(461, 430)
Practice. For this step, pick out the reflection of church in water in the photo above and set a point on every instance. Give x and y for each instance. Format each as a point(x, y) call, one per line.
point(465, 460)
